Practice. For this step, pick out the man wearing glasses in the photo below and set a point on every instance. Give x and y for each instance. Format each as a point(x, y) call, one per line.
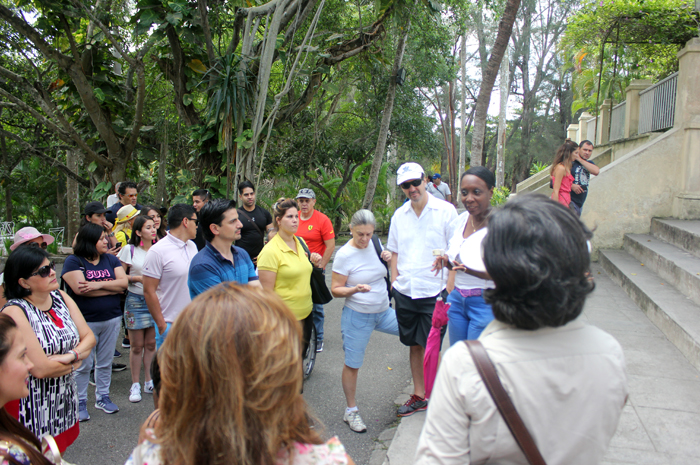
point(166, 269)
point(127, 196)
point(419, 228)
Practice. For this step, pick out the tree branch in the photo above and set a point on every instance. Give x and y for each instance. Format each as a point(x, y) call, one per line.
point(53, 162)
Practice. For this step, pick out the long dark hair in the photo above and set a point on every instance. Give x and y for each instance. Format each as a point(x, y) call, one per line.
point(564, 155)
point(12, 430)
point(162, 231)
point(138, 226)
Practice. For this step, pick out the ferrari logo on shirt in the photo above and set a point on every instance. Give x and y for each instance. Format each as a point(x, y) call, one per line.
point(311, 226)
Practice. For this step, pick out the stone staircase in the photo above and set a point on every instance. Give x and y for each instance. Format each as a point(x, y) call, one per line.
point(660, 271)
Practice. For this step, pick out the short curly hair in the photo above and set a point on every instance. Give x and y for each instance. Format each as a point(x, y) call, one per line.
point(537, 254)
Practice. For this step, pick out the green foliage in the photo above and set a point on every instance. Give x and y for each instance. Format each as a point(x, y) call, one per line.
point(500, 196)
point(641, 37)
point(8, 244)
point(102, 190)
point(537, 167)
point(52, 248)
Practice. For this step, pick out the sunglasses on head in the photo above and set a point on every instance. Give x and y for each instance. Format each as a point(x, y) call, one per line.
point(44, 271)
point(415, 183)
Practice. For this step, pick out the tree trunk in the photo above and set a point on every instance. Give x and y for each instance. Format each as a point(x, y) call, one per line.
point(73, 202)
point(386, 120)
point(61, 205)
point(501, 148)
point(505, 28)
point(463, 111)
point(161, 191)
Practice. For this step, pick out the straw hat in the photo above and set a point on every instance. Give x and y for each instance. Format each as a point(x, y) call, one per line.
point(126, 213)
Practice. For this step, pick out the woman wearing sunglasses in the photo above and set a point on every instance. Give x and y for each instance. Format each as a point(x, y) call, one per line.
point(57, 340)
point(96, 280)
point(27, 236)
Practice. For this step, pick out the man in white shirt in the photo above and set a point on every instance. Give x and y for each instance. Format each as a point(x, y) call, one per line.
point(166, 269)
point(418, 227)
point(114, 198)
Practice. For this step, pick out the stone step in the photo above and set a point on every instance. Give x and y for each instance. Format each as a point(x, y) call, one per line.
point(677, 267)
point(673, 313)
point(681, 233)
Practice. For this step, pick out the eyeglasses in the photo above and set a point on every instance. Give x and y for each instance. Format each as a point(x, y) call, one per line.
point(44, 271)
point(196, 221)
point(415, 183)
point(131, 195)
point(43, 245)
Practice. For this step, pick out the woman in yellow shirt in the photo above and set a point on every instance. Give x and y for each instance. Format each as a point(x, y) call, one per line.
point(123, 224)
point(284, 267)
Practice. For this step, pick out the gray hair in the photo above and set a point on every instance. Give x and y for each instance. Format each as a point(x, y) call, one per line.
point(362, 217)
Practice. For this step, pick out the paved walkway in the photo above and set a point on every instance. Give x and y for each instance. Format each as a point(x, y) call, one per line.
point(661, 422)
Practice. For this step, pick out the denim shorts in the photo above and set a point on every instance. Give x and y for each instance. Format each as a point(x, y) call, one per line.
point(356, 329)
point(136, 312)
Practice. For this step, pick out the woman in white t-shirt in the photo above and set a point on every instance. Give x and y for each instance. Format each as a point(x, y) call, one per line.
point(360, 276)
point(139, 322)
point(469, 313)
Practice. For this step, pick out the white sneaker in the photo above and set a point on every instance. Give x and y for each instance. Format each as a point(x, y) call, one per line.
point(148, 387)
point(354, 421)
point(135, 393)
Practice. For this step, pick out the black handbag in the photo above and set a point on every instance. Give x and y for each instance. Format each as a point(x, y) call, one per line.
point(319, 291)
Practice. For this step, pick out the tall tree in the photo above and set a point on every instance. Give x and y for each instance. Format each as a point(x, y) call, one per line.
point(380, 149)
point(505, 28)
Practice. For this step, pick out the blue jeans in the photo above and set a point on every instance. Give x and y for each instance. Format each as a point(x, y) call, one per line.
point(103, 353)
point(160, 339)
point(468, 316)
point(319, 317)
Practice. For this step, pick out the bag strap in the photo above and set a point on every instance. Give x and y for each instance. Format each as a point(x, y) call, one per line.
point(306, 249)
point(488, 374)
point(257, 228)
point(378, 249)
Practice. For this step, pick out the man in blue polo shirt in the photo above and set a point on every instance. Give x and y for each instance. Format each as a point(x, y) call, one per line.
point(220, 261)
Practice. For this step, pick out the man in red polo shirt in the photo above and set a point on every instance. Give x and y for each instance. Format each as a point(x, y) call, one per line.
point(317, 231)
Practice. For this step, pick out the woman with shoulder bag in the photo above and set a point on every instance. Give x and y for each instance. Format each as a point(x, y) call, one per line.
point(565, 378)
point(359, 276)
point(284, 267)
point(139, 322)
point(96, 280)
point(58, 339)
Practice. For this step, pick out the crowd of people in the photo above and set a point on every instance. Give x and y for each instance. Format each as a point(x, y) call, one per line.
point(218, 287)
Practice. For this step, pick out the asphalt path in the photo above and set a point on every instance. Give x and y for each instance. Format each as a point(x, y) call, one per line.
point(109, 439)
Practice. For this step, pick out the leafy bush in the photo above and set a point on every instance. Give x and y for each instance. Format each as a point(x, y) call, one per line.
point(8, 243)
point(52, 248)
point(500, 196)
point(537, 167)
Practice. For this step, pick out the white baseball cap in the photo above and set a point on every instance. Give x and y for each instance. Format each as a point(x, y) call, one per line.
point(407, 172)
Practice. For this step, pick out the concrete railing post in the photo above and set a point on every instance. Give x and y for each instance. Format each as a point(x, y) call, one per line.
point(632, 106)
point(572, 132)
point(604, 122)
point(687, 117)
point(583, 126)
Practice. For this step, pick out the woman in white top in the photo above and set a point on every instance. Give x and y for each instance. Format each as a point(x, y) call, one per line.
point(468, 313)
point(360, 276)
point(566, 378)
point(139, 322)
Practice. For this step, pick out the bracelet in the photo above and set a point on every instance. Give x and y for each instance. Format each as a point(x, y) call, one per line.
point(76, 355)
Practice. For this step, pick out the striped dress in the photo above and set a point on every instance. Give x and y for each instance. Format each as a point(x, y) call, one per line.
point(52, 404)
